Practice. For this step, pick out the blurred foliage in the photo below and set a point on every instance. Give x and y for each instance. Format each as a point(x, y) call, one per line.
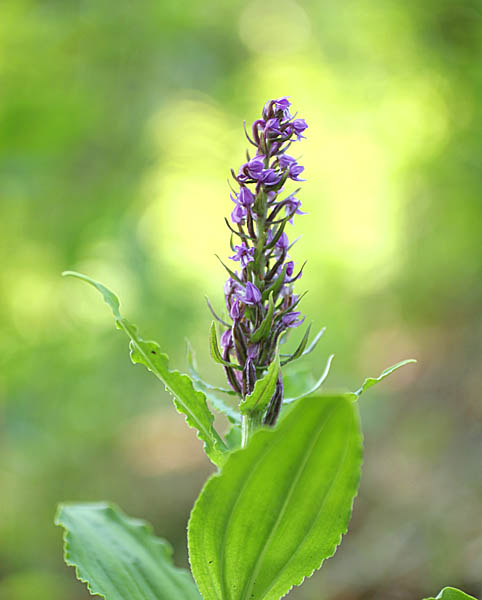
point(118, 125)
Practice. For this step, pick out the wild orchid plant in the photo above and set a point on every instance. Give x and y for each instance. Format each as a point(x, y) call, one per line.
point(288, 469)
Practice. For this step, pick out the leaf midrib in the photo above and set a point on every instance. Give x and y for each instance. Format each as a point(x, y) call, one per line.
point(222, 578)
point(254, 573)
point(310, 528)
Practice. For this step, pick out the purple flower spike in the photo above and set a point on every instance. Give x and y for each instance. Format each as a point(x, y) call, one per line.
point(252, 295)
point(261, 209)
point(244, 254)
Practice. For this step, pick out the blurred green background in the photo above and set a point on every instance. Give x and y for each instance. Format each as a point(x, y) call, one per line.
point(119, 122)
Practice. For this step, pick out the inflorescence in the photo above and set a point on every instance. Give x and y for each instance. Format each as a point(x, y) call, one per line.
point(259, 293)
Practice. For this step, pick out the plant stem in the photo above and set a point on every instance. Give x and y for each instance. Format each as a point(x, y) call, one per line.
point(244, 431)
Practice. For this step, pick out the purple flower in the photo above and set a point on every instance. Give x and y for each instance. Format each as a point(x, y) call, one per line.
point(290, 267)
point(282, 103)
point(245, 197)
point(284, 161)
point(230, 286)
point(299, 125)
point(244, 254)
point(292, 207)
point(237, 310)
point(270, 177)
point(272, 126)
point(283, 241)
point(290, 319)
point(227, 340)
point(252, 295)
point(253, 168)
point(295, 170)
point(239, 213)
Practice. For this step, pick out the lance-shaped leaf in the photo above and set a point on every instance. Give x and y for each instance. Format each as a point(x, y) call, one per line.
point(450, 593)
point(315, 386)
point(215, 351)
point(264, 388)
point(119, 558)
point(215, 315)
point(314, 343)
point(370, 381)
point(216, 402)
point(279, 507)
point(275, 286)
point(265, 325)
point(231, 272)
point(187, 400)
point(299, 351)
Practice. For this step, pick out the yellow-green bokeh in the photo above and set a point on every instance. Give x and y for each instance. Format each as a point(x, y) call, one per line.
point(119, 123)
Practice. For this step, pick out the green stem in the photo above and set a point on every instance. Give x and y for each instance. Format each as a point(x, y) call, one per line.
point(244, 431)
point(249, 424)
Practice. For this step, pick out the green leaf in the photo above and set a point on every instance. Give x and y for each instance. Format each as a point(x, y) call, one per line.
point(119, 558)
point(208, 389)
point(264, 388)
point(296, 380)
point(450, 593)
point(215, 351)
point(233, 437)
point(373, 380)
point(187, 400)
point(109, 297)
point(315, 386)
point(265, 325)
point(275, 287)
point(299, 351)
point(279, 507)
point(314, 343)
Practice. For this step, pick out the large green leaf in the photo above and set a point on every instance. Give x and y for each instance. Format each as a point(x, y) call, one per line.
point(119, 558)
point(189, 401)
point(450, 593)
point(279, 507)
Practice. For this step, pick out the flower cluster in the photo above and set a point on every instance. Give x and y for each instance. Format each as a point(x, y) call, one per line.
point(259, 293)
